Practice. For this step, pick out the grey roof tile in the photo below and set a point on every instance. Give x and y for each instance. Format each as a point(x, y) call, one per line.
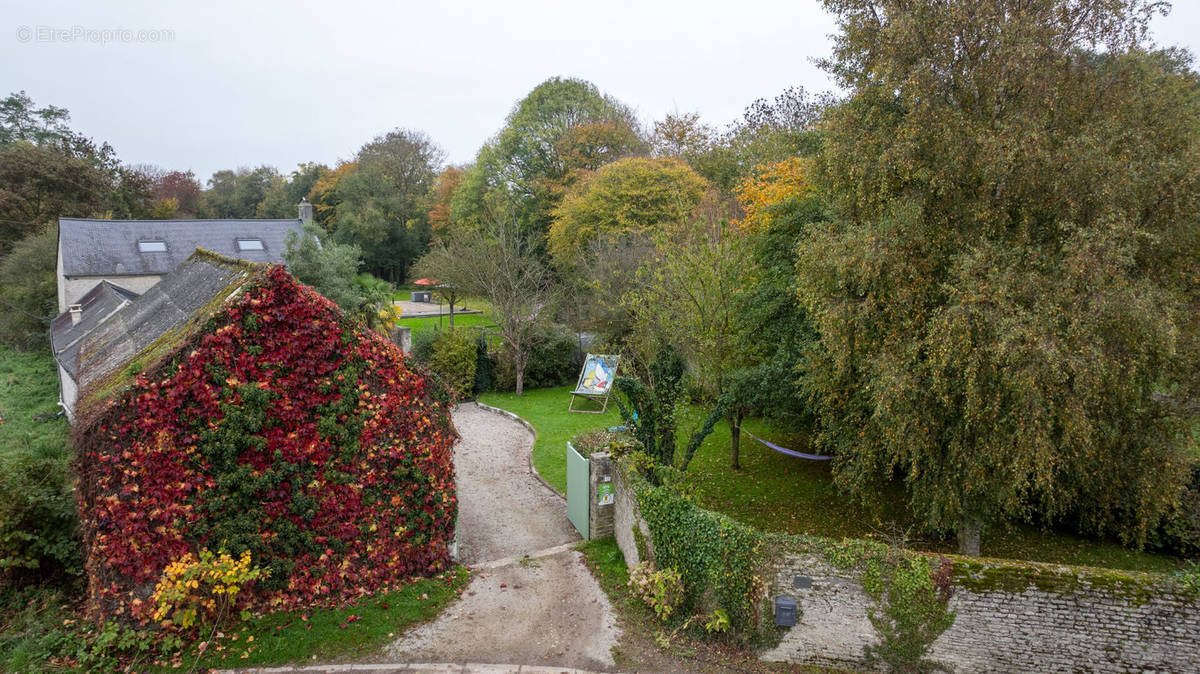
point(98, 305)
point(174, 305)
point(110, 247)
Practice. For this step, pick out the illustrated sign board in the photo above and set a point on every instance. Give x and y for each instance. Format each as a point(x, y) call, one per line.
point(596, 380)
point(597, 376)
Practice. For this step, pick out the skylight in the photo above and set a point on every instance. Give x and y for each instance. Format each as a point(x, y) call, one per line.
point(250, 244)
point(152, 246)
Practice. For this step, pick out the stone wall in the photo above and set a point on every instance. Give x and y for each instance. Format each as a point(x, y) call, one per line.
point(600, 513)
point(1010, 616)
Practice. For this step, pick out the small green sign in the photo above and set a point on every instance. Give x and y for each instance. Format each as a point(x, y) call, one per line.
point(604, 493)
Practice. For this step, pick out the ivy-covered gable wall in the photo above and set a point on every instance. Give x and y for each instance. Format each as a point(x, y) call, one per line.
point(275, 427)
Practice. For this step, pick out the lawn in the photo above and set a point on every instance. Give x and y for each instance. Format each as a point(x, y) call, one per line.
point(779, 493)
point(546, 409)
point(419, 325)
point(29, 387)
point(39, 629)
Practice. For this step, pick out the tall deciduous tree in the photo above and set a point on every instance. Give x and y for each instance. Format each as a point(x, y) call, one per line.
point(499, 263)
point(1005, 288)
point(629, 196)
point(383, 205)
point(689, 295)
point(562, 128)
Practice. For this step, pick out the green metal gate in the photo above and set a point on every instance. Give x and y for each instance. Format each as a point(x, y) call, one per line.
point(578, 485)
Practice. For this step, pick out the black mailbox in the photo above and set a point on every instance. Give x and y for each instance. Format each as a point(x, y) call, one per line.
point(785, 611)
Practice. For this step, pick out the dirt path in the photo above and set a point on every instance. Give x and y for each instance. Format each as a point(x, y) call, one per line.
point(544, 609)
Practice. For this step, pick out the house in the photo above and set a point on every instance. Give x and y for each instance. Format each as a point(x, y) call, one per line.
point(103, 265)
point(136, 254)
point(69, 329)
point(232, 405)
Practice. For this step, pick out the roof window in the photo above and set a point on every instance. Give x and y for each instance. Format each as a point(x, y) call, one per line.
point(152, 246)
point(249, 244)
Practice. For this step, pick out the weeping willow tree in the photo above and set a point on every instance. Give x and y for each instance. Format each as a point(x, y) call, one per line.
point(1006, 295)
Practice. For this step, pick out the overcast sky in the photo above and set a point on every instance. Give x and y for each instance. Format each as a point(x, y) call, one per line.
point(212, 85)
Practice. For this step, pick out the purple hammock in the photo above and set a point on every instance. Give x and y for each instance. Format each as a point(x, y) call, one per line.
point(789, 452)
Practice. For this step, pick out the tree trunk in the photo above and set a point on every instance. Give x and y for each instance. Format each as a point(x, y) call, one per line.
point(968, 537)
point(735, 438)
point(451, 302)
point(519, 365)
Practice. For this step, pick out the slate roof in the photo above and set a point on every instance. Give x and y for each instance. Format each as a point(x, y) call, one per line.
point(98, 306)
point(110, 247)
point(160, 319)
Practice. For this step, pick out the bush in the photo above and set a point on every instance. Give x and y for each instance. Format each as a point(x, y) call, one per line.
point(616, 443)
point(660, 590)
point(38, 526)
point(422, 345)
point(454, 360)
point(200, 591)
point(553, 361)
point(485, 365)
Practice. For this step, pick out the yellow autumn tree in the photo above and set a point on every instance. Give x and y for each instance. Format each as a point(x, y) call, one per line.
point(760, 193)
point(628, 196)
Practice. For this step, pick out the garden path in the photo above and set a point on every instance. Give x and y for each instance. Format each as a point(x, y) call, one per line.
point(532, 602)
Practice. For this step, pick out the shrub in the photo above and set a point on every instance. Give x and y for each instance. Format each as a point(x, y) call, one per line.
point(660, 590)
point(202, 590)
point(454, 359)
point(279, 428)
point(616, 443)
point(721, 562)
point(38, 526)
point(422, 345)
point(485, 365)
point(553, 361)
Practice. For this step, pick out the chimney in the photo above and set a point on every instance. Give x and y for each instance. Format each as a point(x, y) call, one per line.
point(76, 313)
point(305, 211)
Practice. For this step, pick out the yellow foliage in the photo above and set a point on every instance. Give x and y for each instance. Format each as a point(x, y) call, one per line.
point(194, 588)
point(769, 186)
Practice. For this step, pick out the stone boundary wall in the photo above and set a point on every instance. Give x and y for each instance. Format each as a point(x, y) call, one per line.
point(1010, 616)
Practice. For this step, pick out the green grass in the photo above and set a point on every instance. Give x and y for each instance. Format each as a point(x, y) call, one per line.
point(38, 627)
point(324, 635)
point(546, 409)
point(418, 325)
point(778, 493)
point(28, 387)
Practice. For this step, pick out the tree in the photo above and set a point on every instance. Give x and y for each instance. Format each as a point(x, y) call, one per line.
point(183, 188)
point(781, 208)
point(629, 196)
point(688, 295)
point(331, 268)
point(238, 193)
point(562, 128)
point(40, 184)
point(443, 193)
point(498, 263)
point(28, 289)
point(20, 121)
point(1001, 294)
point(383, 203)
point(768, 132)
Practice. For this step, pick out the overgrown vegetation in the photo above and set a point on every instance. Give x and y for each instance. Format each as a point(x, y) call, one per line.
point(38, 527)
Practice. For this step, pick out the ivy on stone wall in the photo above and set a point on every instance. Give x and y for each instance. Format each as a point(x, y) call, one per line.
point(911, 593)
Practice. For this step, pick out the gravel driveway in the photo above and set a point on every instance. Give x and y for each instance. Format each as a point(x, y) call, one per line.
point(533, 601)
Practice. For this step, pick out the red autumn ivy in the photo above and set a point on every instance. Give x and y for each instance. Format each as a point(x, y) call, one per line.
point(279, 428)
